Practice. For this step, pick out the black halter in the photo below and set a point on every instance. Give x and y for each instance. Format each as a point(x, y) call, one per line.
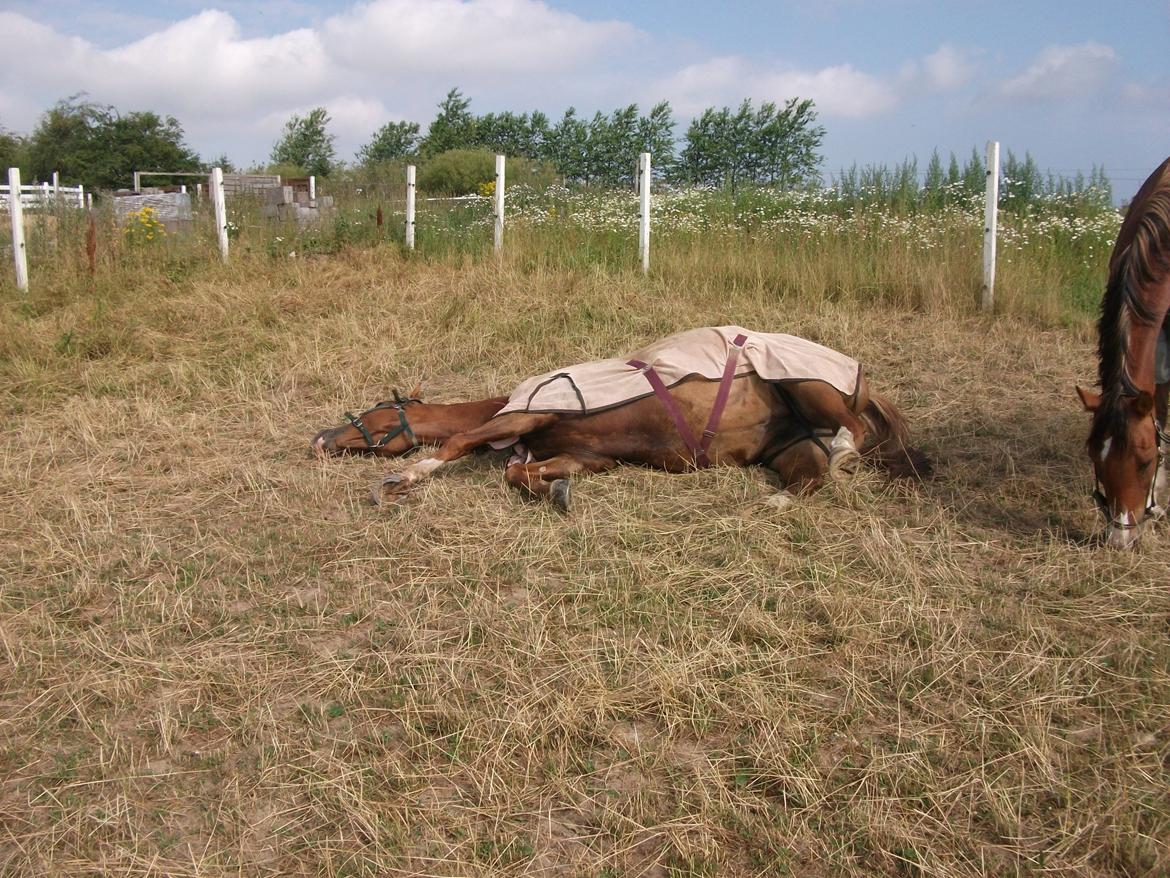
point(399, 403)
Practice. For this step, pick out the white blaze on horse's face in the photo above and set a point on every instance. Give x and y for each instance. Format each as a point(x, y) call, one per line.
point(1122, 532)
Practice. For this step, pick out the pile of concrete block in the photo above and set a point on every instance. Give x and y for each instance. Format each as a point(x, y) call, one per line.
point(291, 203)
point(172, 209)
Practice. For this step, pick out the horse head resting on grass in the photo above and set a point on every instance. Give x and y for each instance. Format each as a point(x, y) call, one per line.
point(1127, 444)
point(804, 429)
point(400, 425)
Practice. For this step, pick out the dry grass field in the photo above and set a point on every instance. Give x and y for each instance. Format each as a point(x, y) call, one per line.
point(216, 658)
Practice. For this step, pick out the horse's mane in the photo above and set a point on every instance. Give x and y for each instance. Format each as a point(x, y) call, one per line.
point(1140, 258)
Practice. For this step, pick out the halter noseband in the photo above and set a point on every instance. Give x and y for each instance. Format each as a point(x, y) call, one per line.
point(400, 403)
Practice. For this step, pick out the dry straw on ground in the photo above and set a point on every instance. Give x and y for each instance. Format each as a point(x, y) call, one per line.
point(217, 659)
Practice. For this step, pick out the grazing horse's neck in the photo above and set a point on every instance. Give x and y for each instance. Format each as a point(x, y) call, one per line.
point(1138, 291)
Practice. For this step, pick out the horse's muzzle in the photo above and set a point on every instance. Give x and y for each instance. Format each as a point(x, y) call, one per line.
point(323, 444)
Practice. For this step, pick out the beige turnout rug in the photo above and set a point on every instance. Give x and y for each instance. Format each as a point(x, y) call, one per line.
point(591, 387)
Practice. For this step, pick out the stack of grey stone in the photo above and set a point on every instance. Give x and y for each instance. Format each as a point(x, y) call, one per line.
point(172, 209)
point(288, 203)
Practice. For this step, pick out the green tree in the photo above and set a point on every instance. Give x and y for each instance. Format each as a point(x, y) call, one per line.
point(394, 140)
point(974, 179)
point(222, 161)
point(1022, 182)
point(934, 188)
point(656, 136)
point(13, 152)
point(306, 144)
point(749, 146)
point(567, 146)
point(98, 146)
point(452, 128)
point(512, 135)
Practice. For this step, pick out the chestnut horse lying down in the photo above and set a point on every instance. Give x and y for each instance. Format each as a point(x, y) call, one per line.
point(802, 410)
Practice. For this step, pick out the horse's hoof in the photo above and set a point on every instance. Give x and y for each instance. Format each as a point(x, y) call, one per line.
point(391, 488)
point(844, 462)
point(780, 500)
point(561, 495)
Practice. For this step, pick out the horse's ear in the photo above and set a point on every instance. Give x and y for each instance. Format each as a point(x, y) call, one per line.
point(1091, 401)
point(417, 392)
point(1142, 404)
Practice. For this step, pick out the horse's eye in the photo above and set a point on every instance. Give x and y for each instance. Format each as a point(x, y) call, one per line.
point(1145, 467)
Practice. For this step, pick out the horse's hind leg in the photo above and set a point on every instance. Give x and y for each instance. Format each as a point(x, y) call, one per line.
point(823, 406)
point(550, 478)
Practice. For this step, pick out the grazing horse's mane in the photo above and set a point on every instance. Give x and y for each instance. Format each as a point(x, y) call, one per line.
point(1140, 258)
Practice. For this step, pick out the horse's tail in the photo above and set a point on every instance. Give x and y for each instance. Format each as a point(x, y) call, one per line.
point(886, 443)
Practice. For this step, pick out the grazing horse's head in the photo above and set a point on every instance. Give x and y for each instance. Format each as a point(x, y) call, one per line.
point(1123, 447)
point(383, 430)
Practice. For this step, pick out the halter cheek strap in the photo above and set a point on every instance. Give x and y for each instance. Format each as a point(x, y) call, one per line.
point(403, 425)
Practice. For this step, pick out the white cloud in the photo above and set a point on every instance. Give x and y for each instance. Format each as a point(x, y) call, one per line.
point(461, 37)
point(233, 92)
point(1061, 72)
point(840, 91)
point(947, 69)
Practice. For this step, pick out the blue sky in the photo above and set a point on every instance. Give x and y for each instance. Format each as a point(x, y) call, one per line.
point(1075, 83)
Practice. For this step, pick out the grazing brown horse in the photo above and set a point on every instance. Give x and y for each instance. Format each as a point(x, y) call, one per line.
point(803, 430)
point(1127, 444)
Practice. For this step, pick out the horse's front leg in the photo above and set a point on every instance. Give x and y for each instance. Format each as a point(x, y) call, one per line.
point(1162, 474)
point(510, 426)
point(823, 406)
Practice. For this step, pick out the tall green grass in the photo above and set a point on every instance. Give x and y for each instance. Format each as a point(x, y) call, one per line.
point(825, 245)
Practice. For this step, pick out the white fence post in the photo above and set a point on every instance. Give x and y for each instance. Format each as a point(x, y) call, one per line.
point(16, 211)
point(137, 182)
point(81, 195)
point(644, 211)
point(410, 176)
point(45, 195)
point(499, 209)
point(312, 187)
point(990, 220)
point(56, 182)
point(220, 205)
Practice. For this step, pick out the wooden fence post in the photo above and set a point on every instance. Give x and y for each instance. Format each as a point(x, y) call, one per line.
point(56, 182)
point(410, 175)
point(499, 208)
point(81, 195)
point(990, 221)
point(220, 205)
point(644, 212)
point(16, 211)
point(312, 187)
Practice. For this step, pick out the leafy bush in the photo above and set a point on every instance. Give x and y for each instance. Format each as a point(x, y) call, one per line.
point(458, 172)
point(465, 171)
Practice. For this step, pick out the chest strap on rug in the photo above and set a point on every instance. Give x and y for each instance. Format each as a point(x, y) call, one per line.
point(698, 449)
point(724, 391)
